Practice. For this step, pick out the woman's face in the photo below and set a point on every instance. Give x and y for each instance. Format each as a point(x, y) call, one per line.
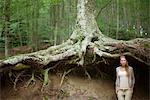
point(123, 61)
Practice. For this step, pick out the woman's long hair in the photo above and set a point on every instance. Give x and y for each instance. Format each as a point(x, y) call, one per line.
point(126, 65)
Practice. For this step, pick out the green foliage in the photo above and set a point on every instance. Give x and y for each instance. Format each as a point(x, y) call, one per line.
point(53, 2)
point(133, 18)
point(33, 22)
point(47, 3)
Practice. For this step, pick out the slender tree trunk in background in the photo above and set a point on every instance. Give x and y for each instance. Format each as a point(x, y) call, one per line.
point(18, 24)
point(62, 17)
point(63, 8)
point(108, 21)
point(112, 11)
point(125, 14)
point(7, 25)
point(69, 16)
point(50, 23)
point(138, 21)
point(35, 16)
point(20, 36)
point(59, 25)
point(6, 45)
point(61, 11)
point(134, 23)
point(108, 17)
point(27, 10)
point(117, 19)
point(129, 15)
point(37, 24)
point(56, 24)
point(33, 36)
point(52, 20)
point(145, 20)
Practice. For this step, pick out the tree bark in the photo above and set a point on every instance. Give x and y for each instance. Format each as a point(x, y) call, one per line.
point(86, 36)
point(117, 19)
point(7, 24)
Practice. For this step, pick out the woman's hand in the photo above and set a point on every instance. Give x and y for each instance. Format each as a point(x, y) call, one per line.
point(117, 88)
point(131, 89)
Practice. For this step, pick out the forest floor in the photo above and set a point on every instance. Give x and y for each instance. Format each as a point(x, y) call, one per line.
point(73, 88)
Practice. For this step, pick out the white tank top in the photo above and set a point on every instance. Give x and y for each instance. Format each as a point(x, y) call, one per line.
point(123, 79)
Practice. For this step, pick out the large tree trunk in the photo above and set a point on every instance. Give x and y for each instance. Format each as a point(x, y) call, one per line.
point(85, 37)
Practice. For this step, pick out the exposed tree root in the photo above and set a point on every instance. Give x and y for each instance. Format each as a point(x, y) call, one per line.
point(46, 79)
point(102, 74)
point(16, 80)
point(63, 76)
point(86, 72)
point(31, 80)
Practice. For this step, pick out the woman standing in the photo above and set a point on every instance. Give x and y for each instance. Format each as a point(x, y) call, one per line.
point(124, 80)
